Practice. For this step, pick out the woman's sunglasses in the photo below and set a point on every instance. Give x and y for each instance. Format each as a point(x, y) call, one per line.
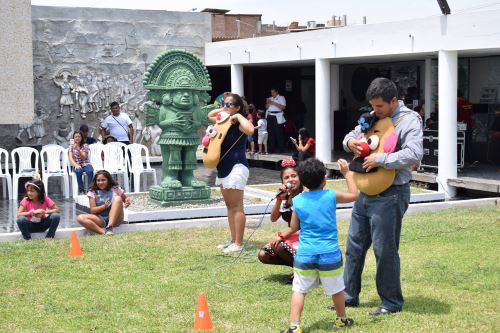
point(227, 104)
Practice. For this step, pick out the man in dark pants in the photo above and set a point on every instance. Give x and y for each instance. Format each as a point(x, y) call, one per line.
point(275, 120)
point(377, 218)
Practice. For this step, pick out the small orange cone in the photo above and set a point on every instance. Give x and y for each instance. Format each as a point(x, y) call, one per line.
point(74, 246)
point(202, 321)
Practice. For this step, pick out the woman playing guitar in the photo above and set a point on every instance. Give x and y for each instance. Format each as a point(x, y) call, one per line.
point(232, 169)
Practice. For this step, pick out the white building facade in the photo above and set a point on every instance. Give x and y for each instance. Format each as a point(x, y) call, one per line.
point(440, 46)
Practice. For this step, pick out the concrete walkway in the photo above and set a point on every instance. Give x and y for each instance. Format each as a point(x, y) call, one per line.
point(252, 221)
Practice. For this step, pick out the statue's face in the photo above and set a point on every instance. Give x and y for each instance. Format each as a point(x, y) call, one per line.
point(182, 99)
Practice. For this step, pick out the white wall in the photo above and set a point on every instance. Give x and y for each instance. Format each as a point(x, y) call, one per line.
point(465, 31)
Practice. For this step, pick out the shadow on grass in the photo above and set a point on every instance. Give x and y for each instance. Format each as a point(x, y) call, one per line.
point(417, 304)
point(284, 279)
point(324, 325)
point(426, 305)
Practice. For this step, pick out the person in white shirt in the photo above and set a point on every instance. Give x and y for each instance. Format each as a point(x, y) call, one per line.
point(119, 125)
point(275, 120)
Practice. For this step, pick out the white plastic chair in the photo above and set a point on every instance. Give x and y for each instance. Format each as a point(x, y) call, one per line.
point(95, 156)
point(22, 166)
point(74, 182)
point(55, 164)
point(136, 165)
point(115, 162)
point(5, 175)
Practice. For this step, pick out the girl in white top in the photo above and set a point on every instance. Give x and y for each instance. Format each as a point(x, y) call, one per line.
point(262, 132)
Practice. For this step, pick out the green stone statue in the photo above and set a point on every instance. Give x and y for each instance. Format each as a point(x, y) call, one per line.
point(177, 81)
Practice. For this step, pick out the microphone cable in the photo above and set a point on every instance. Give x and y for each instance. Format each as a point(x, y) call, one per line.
point(249, 250)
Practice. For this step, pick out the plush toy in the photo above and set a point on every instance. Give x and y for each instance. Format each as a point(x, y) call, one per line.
point(209, 133)
point(214, 136)
point(379, 136)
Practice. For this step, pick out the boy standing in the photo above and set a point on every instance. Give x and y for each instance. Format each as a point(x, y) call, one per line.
point(319, 257)
point(262, 132)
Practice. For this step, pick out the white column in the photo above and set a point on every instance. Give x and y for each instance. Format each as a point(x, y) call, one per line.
point(334, 98)
point(16, 63)
point(447, 125)
point(429, 107)
point(323, 110)
point(237, 79)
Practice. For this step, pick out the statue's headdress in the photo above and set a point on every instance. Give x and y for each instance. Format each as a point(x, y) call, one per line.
point(176, 69)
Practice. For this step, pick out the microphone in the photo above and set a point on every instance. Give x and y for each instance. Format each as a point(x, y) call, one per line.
point(288, 186)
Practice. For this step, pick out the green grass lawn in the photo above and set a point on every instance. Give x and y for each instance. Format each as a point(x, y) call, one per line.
point(150, 281)
point(337, 185)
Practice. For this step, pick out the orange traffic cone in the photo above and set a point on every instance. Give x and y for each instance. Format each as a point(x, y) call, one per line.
point(74, 246)
point(202, 321)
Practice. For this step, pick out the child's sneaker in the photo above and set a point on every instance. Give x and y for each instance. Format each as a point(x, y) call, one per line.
point(224, 244)
point(108, 231)
point(341, 323)
point(293, 329)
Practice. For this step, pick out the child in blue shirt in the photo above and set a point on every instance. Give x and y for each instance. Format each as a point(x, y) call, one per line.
point(319, 257)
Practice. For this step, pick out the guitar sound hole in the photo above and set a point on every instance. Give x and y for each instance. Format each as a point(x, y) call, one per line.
point(220, 136)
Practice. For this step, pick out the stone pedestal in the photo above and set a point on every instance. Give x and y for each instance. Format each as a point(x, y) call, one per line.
point(163, 194)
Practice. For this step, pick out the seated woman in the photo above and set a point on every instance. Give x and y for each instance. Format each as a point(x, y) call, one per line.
point(106, 200)
point(305, 145)
point(79, 159)
point(283, 253)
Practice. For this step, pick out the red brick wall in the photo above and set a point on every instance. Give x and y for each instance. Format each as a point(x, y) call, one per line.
point(225, 25)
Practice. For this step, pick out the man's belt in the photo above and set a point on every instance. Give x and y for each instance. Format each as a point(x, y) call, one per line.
point(274, 112)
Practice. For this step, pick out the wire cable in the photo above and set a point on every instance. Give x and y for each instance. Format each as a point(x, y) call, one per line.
point(248, 250)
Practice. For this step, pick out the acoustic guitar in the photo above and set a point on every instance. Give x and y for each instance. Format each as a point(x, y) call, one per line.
point(214, 136)
point(381, 137)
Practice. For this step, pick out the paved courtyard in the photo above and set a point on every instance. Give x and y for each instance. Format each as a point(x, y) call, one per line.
point(69, 211)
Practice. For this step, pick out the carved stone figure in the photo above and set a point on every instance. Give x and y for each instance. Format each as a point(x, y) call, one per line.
point(66, 98)
point(177, 80)
point(151, 136)
point(82, 97)
point(137, 125)
point(22, 128)
point(63, 134)
point(107, 90)
point(93, 94)
point(38, 124)
point(26, 127)
point(101, 93)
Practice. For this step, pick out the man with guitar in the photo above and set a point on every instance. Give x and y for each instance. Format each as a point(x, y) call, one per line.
point(377, 218)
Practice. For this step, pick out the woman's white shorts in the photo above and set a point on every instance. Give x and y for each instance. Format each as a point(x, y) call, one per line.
point(237, 178)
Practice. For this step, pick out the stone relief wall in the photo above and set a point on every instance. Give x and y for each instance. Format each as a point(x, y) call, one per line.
point(84, 58)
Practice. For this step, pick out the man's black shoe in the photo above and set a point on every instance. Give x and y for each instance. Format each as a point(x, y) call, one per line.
point(380, 311)
point(352, 304)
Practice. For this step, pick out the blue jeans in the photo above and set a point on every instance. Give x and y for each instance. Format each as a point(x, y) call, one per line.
point(377, 219)
point(89, 170)
point(27, 227)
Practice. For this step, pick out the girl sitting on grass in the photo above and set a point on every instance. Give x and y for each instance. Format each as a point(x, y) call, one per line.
point(37, 212)
point(106, 200)
point(283, 252)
